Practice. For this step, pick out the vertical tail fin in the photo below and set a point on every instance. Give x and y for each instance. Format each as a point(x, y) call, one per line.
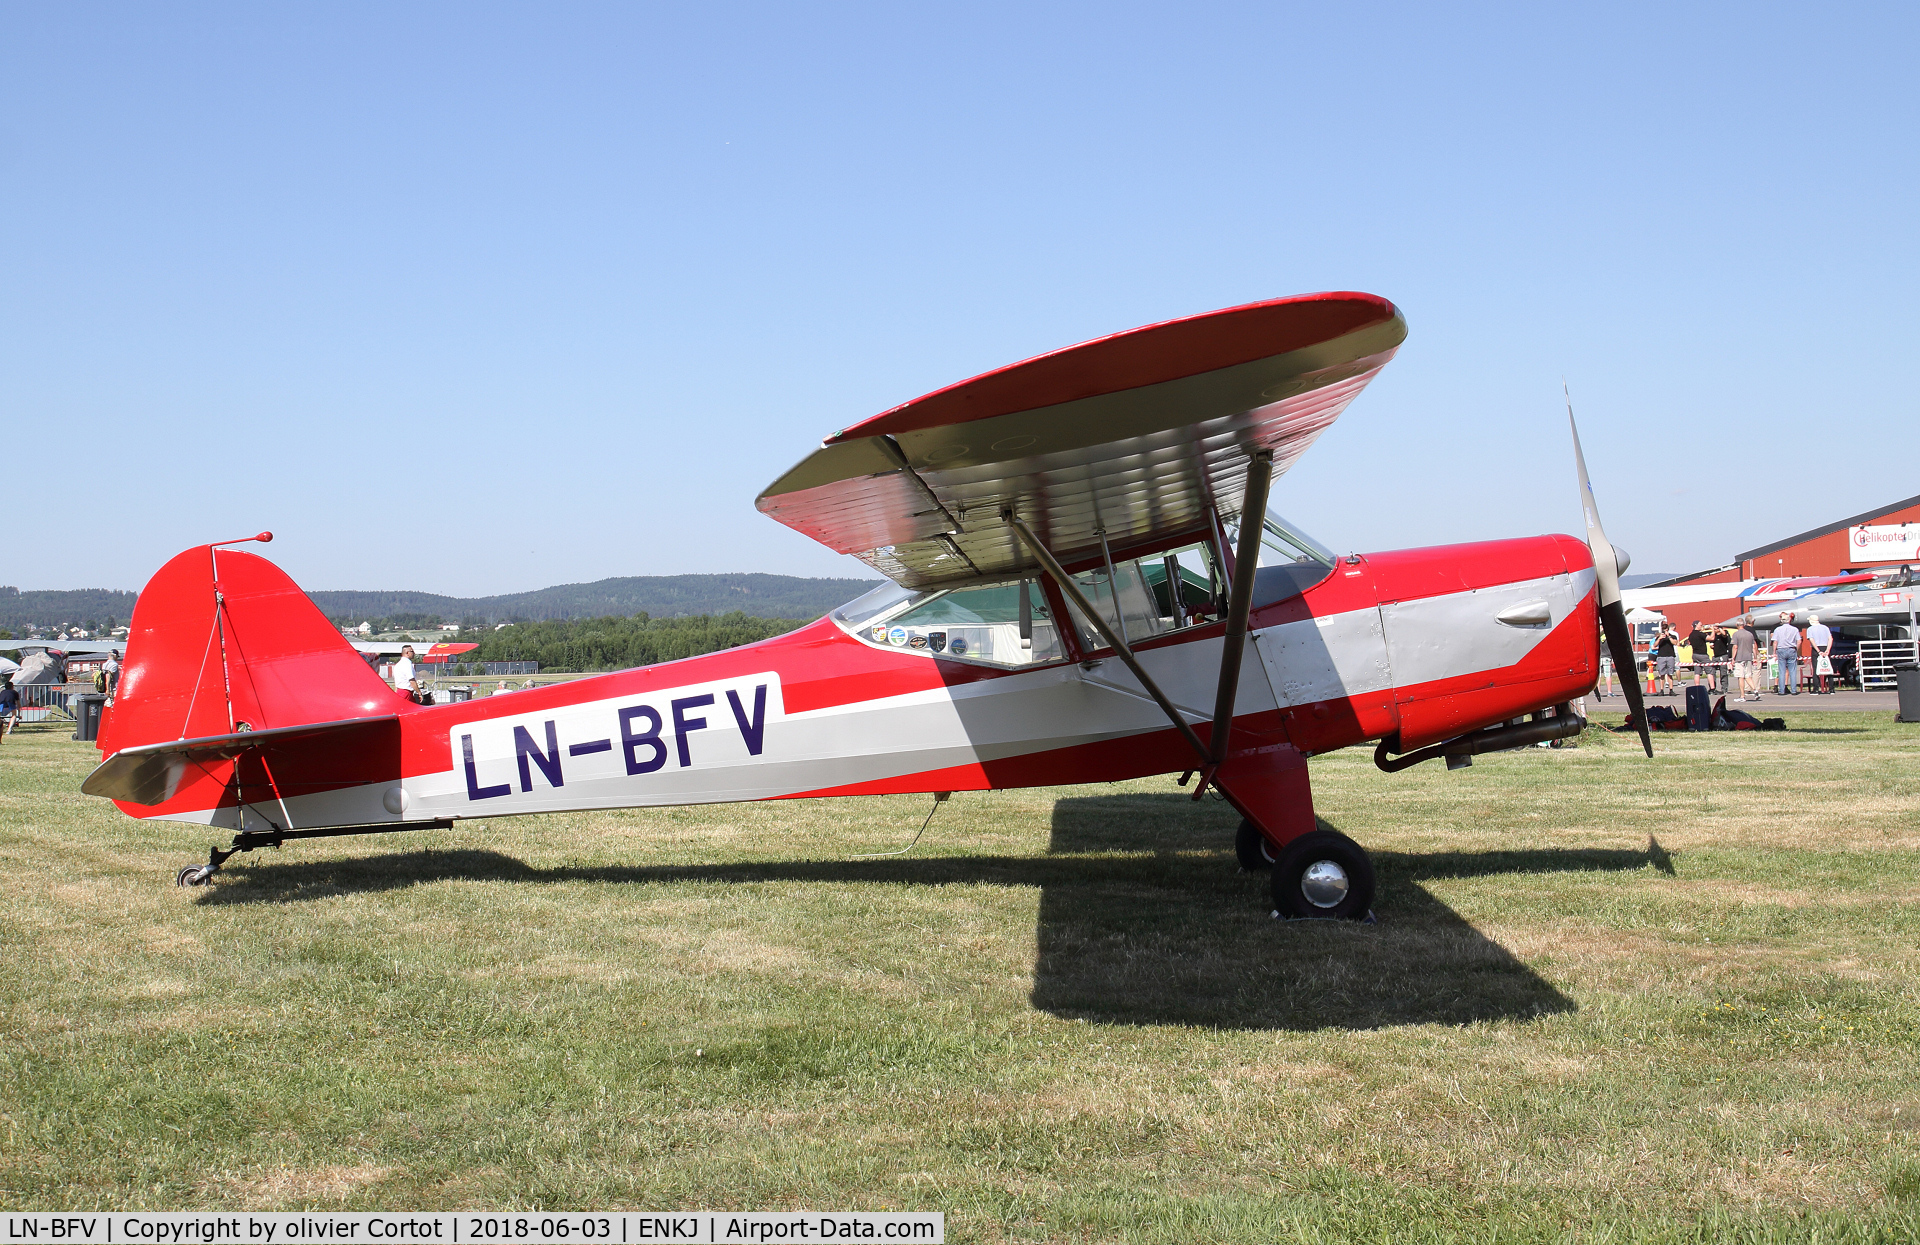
point(224, 641)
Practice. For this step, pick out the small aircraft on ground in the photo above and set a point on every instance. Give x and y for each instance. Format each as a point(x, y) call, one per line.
point(66, 648)
point(425, 650)
point(1073, 545)
point(1880, 607)
point(1748, 590)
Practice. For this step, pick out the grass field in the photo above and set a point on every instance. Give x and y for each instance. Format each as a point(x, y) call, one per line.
point(1606, 999)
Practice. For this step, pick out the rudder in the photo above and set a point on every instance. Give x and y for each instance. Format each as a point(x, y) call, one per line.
point(249, 651)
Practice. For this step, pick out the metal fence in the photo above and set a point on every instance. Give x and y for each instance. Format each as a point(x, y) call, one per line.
point(1879, 659)
point(41, 701)
point(435, 671)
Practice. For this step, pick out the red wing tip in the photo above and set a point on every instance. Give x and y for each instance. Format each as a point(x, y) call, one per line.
point(1033, 373)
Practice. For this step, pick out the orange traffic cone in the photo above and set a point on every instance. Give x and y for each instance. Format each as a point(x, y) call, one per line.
point(1653, 682)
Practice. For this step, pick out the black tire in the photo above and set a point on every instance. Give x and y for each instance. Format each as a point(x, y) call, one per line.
point(1317, 867)
point(1255, 853)
point(189, 876)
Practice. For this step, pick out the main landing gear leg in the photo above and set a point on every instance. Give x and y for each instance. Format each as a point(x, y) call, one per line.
point(1316, 873)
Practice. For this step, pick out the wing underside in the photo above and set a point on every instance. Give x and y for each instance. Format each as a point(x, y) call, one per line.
point(1139, 436)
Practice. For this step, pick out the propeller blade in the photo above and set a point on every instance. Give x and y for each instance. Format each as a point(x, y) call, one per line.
point(1613, 615)
point(1606, 565)
point(1613, 621)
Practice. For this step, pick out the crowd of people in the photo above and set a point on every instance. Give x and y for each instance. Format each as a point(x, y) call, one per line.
point(1737, 660)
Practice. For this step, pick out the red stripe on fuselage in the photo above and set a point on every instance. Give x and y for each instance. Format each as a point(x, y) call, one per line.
point(1411, 574)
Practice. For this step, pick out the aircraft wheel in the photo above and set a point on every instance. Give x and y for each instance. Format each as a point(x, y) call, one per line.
point(192, 875)
point(1254, 852)
point(1323, 874)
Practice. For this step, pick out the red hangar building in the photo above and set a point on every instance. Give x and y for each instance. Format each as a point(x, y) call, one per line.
point(1884, 540)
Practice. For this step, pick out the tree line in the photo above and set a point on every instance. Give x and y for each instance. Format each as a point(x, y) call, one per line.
point(759, 595)
point(620, 643)
point(63, 608)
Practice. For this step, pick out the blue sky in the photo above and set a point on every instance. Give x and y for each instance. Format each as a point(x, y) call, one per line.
point(479, 298)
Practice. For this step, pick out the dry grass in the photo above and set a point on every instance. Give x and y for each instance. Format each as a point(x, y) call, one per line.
point(1606, 999)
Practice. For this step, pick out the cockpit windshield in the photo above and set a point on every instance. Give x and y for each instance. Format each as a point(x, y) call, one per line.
point(1290, 560)
point(1283, 543)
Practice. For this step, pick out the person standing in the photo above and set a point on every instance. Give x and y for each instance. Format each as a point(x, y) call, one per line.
point(403, 677)
point(1702, 647)
point(1745, 648)
point(112, 669)
point(1665, 660)
point(1820, 637)
point(9, 708)
point(1722, 657)
point(1786, 651)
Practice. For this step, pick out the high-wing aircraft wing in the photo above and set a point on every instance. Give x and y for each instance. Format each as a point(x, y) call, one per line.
point(1751, 590)
point(1780, 589)
point(66, 648)
point(424, 649)
point(1137, 435)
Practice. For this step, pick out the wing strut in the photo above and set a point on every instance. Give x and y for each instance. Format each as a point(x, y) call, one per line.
point(1246, 561)
point(1072, 592)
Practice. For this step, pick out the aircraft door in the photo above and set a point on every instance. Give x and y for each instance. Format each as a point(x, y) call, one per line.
point(1329, 669)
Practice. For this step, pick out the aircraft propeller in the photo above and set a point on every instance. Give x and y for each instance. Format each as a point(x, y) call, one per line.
point(1608, 562)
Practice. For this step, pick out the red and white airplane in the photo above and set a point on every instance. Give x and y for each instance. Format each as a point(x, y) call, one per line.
point(1750, 590)
point(1074, 545)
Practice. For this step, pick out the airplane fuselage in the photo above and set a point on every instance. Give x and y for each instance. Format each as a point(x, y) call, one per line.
point(1409, 643)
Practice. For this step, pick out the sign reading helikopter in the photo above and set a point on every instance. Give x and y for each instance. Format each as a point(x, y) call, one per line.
point(1891, 542)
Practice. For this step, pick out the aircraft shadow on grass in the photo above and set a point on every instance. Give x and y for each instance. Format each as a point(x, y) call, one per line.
point(1144, 919)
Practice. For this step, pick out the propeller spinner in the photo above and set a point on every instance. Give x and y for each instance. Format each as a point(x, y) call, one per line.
point(1608, 562)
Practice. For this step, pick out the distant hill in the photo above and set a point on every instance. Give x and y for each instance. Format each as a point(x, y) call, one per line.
point(666, 596)
point(663, 596)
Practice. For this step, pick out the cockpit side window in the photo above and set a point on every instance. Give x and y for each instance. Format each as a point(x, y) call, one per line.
point(1152, 595)
point(1005, 623)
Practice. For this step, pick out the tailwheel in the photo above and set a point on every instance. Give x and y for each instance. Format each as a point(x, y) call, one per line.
point(1323, 874)
point(1252, 848)
point(200, 875)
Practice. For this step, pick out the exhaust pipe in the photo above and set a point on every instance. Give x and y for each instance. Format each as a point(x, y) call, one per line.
point(1565, 724)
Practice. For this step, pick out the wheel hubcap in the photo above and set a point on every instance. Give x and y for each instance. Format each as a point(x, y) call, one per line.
point(1324, 884)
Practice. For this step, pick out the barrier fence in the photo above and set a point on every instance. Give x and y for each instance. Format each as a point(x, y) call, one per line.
point(437, 670)
point(1873, 671)
point(1880, 660)
point(41, 701)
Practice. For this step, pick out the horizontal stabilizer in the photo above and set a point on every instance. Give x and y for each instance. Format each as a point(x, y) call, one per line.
point(151, 773)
